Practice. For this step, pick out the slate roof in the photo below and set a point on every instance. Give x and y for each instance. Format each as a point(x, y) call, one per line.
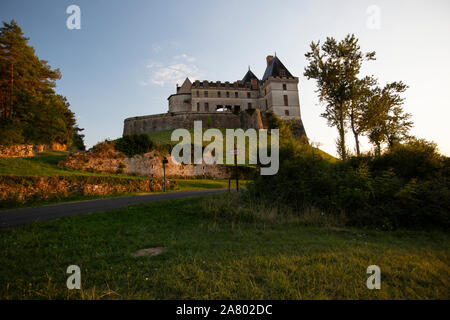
point(249, 76)
point(185, 87)
point(274, 68)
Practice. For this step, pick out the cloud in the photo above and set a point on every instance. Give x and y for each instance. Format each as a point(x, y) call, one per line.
point(184, 57)
point(172, 73)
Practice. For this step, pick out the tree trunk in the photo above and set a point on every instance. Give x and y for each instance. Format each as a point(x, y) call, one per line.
point(342, 132)
point(355, 133)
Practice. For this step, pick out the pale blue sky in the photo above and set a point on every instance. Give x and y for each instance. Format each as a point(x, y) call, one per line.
point(128, 55)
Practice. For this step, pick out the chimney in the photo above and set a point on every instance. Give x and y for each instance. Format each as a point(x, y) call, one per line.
point(269, 60)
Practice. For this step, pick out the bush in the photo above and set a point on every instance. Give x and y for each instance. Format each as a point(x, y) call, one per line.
point(408, 187)
point(134, 144)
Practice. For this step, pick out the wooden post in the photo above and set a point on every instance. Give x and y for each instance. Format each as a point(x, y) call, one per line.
point(236, 167)
point(164, 171)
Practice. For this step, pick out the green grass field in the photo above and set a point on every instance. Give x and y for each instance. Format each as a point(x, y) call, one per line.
point(210, 256)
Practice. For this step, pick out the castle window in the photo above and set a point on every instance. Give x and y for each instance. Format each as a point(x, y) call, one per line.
point(206, 106)
point(228, 94)
point(249, 95)
point(282, 73)
point(198, 93)
point(236, 95)
point(286, 102)
point(237, 108)
point(198, 106)
point(284, 86)
point(286, 112)
point(266, 104)
point(218, 94)
point(249, 105)
point(206, 93)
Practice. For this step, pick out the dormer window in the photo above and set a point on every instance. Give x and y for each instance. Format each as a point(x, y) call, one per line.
point(282, 73)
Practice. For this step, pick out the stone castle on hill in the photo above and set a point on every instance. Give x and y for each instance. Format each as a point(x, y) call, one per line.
point(224, 104)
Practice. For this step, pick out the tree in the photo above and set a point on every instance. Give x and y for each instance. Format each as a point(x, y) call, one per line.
point(30, 110)
point(362, 93)
point(385, 118)
point(335, 66)
point(78, 138)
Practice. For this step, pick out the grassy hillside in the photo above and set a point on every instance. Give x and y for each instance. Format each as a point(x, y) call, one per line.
point(216, 256)
point(163, 138)
point(46, 165)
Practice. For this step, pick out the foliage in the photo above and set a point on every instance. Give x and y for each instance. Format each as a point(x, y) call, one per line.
point(358, 103)
point(407, 187)
point(335, 66)
point(30, 110)
point(134, 144)
point(250, 111)
point(385, 120)
point(78, 138)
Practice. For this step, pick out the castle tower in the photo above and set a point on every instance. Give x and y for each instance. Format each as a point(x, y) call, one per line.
point(279, 90)
point(181, 101)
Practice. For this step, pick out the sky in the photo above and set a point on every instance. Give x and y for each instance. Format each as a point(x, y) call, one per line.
point(128, 56)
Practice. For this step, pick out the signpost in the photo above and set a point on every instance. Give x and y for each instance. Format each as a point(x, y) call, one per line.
point(164, 170)
point(235, 152)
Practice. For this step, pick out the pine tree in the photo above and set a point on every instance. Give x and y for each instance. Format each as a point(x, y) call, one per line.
point(30, 110)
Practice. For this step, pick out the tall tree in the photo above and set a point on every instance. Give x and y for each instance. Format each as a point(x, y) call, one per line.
point(361, 95)
point(30, 109)
point(387, 122)
point(335, 66)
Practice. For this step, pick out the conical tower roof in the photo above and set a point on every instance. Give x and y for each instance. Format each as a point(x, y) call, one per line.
point(186, 86)
point(275, 69)
point(249, 76)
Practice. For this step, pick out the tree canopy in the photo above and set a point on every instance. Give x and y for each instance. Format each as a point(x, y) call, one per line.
point(354, 102)
point(30, 109)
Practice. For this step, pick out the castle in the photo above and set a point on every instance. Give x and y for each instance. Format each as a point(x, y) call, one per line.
point(222, 104)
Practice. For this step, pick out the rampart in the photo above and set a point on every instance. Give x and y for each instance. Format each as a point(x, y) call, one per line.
point(171, 121)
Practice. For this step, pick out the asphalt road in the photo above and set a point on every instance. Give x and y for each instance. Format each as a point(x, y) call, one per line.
point(17, 217)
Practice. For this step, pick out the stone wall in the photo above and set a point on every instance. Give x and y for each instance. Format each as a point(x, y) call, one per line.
point(28, 150)
point(148, 164)
point(171, 121)
point(25, 189)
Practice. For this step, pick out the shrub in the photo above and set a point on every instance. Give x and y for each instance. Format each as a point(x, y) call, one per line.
point(408, 187)
point(134, 144)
